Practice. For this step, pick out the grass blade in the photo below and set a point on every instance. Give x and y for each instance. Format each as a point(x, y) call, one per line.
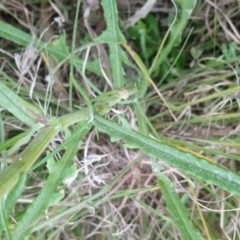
point(177, 209)
point(8, 204)
point(176, 29)
point(10, 176)
point(14, 104)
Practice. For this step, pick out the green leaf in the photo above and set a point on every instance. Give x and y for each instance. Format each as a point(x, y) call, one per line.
point(176, 29)
point(58, 171)
point(11, 141)
point(112, 36)
point(20, 108)
point(19, 37)
point(177, 209)
point(186, 161)
point(10, 175)
point(187, 7)
point(10, 202)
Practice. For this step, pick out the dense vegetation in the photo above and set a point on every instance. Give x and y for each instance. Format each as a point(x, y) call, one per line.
point(119, 120)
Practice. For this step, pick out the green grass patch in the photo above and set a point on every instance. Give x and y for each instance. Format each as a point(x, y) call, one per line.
point(113, 131)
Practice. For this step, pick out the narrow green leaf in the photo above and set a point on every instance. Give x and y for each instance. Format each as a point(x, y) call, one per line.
point(58, 172)
point(10, 142)
point(177, 209)
point(4, 223)
point(20, 108)
point(10, 176)
point(176, 29)
point(10, 201)
point(185, 161)
point(112, 35)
